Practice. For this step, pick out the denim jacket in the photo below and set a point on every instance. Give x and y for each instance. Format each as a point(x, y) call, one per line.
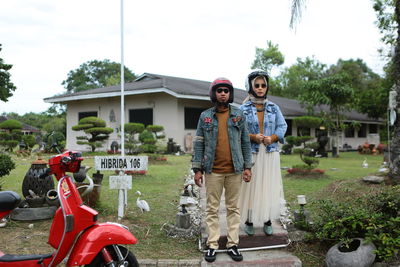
point(205, 141)
point(274, 123)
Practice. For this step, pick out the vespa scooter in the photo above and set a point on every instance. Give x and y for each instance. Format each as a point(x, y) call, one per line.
point(74, 231)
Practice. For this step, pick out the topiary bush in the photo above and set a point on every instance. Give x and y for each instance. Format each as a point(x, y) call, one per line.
point(6, 166)
point(131, 130)
point(11, 134)
point(148, 142)
point(95, 128)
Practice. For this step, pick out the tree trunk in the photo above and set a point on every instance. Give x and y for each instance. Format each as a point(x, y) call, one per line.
point(394, 173)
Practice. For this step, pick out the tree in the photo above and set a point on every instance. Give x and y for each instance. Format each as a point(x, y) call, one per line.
point(388, 14)
point(6, 166)
point(96, 128)
point(370, 90)
point(6, 86)
point(292, 78)
point(95, 74)
point(332, 91)
point(10, 137)
point(268, 58)
point(131, 130)
point(394, 172)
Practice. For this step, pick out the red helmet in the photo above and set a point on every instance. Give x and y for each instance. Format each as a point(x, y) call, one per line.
point(221, 82)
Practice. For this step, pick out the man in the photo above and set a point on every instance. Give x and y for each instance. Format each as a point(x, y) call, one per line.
point(222, 152)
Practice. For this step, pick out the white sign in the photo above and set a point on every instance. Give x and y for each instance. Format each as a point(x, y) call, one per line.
point(121, 163)
point(121, 182)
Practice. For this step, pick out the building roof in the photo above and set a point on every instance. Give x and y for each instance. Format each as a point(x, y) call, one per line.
point(190, 89)
point(25, 127)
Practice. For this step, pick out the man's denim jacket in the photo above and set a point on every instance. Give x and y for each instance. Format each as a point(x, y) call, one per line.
point(205, 141)
point(274, 123)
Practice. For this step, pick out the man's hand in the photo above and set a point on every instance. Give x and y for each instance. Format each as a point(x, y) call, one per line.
point(247, 175)
point(267, 140)
point(198, 178)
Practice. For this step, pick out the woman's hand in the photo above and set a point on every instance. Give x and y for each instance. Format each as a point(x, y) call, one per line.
point(260, 137)
point(267, 140)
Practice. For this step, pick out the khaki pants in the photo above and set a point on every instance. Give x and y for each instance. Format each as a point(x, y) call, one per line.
point(215, 183)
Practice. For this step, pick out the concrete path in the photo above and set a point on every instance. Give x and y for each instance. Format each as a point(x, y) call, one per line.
point(254, 254)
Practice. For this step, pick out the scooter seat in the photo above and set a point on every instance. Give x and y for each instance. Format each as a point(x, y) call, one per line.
point(9, 200)
point(20, 258)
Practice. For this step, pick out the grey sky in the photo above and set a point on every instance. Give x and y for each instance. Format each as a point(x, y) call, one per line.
point(45, 39)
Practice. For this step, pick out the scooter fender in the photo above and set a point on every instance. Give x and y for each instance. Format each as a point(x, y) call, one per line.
point(90, 242)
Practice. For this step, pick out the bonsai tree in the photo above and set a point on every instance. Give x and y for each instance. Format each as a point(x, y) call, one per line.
point(148, 142)
point(29, 141)
point(11, 134)
point(307, 152)
point(6, 166)
point(131, 130)
point(156, 130)
point(95, 128)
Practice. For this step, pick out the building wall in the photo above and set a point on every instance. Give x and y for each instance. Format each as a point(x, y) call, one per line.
point(354, 142)
point(188, 103)
point(168, 111)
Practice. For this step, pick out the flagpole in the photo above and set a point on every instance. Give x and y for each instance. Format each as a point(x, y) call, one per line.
point(122, 193)
point(122, 83)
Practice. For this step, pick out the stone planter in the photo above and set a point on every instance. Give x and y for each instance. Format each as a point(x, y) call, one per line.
point(359, 254)
point(35, 202)
point(52, 198)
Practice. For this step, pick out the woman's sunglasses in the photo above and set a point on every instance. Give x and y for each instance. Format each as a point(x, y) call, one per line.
point(262, 85)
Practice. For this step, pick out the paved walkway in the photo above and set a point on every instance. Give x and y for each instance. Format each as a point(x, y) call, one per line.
point(255, 255)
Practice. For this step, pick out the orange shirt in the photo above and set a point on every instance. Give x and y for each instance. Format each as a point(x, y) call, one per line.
point(223, 158)
point(260, 116)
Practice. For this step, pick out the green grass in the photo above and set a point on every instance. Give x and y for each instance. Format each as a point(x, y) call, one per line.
point(348, 166)
point(161, 188)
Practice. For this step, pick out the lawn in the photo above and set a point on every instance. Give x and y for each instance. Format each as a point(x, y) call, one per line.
point(161, 187)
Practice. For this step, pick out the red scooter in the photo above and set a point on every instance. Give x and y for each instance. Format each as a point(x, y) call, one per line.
point(74, 232)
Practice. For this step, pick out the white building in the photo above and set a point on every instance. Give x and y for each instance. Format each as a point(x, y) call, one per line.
point(176, 104)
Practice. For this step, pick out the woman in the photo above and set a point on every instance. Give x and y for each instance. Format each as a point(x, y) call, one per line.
point(262, 199)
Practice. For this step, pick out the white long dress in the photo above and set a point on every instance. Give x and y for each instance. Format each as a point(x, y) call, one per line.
point(263, 195)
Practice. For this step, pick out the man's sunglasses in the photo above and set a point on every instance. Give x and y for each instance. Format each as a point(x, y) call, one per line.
point(220, 90)
point(262, 85)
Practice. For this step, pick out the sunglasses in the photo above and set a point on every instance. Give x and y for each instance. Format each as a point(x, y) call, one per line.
point(262, 85)
point(220, 90)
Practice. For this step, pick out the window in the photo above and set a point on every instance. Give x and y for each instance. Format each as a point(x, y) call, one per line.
point(144, 116)
point(289, 128)
point(82, 115)
point(303, 131)
point(349, 131)
point(373, 128)
point(192, 116)
point(363, 130)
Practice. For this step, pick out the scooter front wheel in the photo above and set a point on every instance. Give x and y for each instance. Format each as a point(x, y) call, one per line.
point(125, 258)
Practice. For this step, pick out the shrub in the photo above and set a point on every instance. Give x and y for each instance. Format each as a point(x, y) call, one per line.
point(6, 166)
point(305, 170)
point(375, 218)
point(96, 128)
point(10, 137)
point(131, 130)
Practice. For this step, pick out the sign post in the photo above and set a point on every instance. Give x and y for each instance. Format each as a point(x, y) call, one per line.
point(121, 182)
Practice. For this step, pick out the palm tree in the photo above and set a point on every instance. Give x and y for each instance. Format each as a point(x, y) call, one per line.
point(394, 174)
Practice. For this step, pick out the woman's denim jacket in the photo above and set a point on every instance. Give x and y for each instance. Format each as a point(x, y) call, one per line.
point(274, 123)
point(205, 141)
